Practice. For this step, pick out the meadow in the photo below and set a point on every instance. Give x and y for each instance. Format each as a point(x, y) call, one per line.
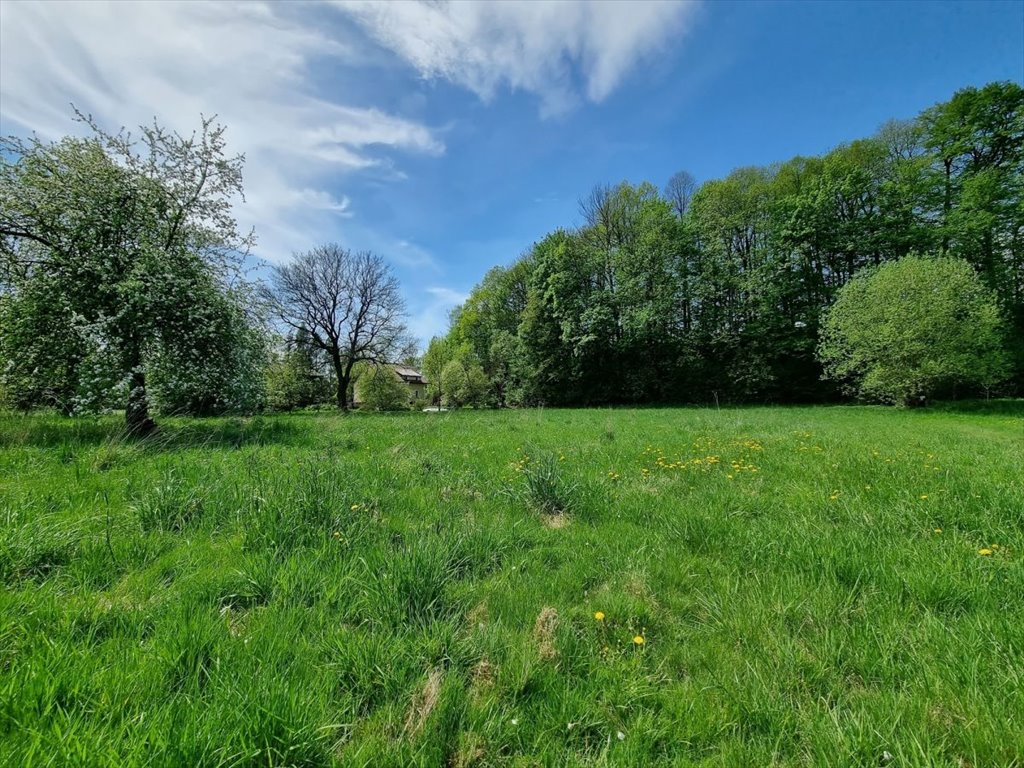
point(758, 586)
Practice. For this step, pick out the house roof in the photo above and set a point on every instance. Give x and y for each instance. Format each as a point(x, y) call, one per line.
point(409, 374)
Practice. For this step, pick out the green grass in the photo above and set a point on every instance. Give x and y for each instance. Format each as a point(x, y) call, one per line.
point(421, 589)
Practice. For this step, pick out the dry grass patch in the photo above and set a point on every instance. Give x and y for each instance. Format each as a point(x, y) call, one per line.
point(477, 617)
point(544, 632)
point(423, 703)
point(481, 679)
point(470, 751)
point(556, 521)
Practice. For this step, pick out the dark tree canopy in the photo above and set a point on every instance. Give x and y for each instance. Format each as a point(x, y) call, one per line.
point(718, 292)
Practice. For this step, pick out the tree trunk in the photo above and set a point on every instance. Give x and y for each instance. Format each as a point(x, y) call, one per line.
point(136, 412)
point(342, 393)
point(343, 374)
point(341, 382)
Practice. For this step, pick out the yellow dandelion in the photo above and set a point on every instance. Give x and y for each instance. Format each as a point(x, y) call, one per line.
point(337, 535)
point(924, 496)
point(354, 507)
point(985, 552)
point(938, 530)
point(639, 640)
point(599, 615)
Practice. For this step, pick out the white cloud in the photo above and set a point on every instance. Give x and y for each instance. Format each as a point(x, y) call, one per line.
point(248, 62)
point(539, 46)
point(448, 295)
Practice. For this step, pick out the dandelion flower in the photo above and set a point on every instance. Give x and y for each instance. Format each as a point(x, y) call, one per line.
point(639, 640)
point(938, 530)
point(924, 496)
point(599, 615)
point(354, 507)
point(620, 736)
point(985, 552)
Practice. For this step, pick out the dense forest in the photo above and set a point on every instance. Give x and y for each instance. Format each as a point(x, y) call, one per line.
point(718, 292)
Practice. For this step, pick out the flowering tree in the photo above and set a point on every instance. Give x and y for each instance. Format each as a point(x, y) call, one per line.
point(133, 241)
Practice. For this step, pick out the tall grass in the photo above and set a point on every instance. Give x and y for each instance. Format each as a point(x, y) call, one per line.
point(799, 586)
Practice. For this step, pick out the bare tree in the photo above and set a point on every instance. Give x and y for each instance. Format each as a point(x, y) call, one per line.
point(679, 191)
point(350, 305)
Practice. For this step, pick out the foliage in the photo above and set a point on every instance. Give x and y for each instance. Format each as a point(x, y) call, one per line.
point(439, 354)
point(379, 389)
point(223, 371)
point(286, 590)
point(132, 243)
point(465, 382)
point(717, 292)
point(294, 377)
point(914, 327)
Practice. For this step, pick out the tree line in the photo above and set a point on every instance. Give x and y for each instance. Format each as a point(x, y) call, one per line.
point(721, 291)
point(123, 283)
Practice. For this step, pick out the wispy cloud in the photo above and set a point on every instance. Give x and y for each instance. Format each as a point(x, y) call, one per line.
point(282, 77)
point(539, 46)
point(251, 63)
point(429, 314)
point(447, 295)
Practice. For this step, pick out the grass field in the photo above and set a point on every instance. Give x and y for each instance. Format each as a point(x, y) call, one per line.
point(799, 586)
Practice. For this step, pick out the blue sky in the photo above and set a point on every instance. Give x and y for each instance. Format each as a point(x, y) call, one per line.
point(449, 137)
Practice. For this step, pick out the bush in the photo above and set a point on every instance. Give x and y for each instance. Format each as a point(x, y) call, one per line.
point(379, 389)
point(465, 382)
point(902, 332)
point(546, 490)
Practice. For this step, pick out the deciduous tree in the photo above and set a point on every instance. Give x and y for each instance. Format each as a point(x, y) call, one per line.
point(134, 240)
point(913, 326)
point(350, 305)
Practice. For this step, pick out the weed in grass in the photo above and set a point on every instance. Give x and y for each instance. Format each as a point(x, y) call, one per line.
point(547, 491)
point(170, 505)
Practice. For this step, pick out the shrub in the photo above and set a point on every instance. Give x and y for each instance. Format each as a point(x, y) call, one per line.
point(379, 389)
point(902, 332)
